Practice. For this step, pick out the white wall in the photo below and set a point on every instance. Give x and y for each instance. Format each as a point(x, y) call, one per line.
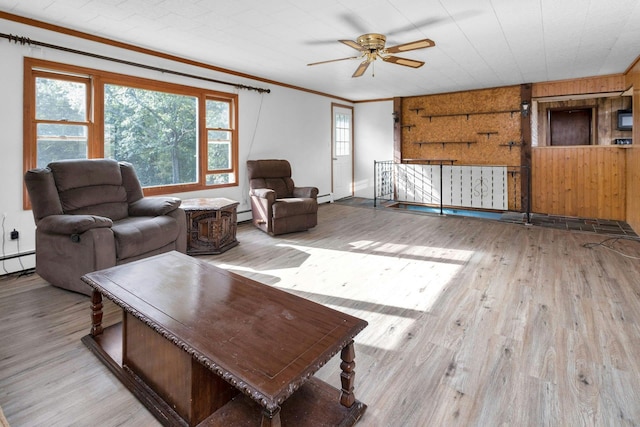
point(373, 127)
point(11, 151)
point(285, 123)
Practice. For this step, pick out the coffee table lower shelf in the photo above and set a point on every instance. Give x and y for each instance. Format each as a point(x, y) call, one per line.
point(315, 403)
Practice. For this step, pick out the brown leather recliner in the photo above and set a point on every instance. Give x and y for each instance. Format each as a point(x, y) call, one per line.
point(278, 206)
point(91, 214)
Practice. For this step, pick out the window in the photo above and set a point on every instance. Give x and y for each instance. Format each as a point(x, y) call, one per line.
point(220, 147)
point(179, 138)
point(61, 118)
point(342, 134)
point(155, 131)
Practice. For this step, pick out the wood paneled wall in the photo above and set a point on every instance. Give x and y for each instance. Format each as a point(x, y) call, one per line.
point(633, 188)
point(580, 181)
point(480, 127)
point(594, 85)
point(476, 127)
point(472, 125)
point(632, 79)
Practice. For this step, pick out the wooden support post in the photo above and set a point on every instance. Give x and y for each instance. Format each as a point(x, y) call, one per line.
point(96, 313)
point(347, 376)
point(397, 130)
point(525, 152)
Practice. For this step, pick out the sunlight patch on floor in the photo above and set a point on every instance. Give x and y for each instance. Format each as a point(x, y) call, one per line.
point(389, 285)
point(431, 252)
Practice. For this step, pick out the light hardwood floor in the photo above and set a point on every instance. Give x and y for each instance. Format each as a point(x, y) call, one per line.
point(471, 323)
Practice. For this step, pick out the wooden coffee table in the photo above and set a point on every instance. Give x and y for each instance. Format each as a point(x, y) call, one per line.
point(199, 345)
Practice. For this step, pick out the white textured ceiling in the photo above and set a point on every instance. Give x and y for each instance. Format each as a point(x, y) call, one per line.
point(479, 43)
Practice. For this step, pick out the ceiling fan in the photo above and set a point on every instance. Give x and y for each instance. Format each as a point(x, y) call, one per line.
point(371, 47)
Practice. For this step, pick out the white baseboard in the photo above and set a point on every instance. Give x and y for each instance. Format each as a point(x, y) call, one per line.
point(244, 216)
point(325, 198)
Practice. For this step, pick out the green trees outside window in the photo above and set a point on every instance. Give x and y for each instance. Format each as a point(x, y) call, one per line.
point(61, 112)
point(219, 142)
point(157, 132)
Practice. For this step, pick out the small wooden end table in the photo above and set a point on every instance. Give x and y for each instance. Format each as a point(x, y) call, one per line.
point(211, 225)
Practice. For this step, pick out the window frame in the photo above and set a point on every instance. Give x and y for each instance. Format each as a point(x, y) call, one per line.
point(96, 79)
point(204, 139)
point(88, 122)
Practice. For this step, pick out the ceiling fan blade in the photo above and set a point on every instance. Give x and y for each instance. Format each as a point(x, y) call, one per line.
point(323, 42)
point(418, 44)
point(403, 61)
point(352, 44)
point(333, 60)
point(353, 22)
point(361, 68)
point(429, 22)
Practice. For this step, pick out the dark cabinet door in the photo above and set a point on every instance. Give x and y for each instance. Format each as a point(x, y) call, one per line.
point(570, 127)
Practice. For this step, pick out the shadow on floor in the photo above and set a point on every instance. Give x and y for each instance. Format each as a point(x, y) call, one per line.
point(599, 226)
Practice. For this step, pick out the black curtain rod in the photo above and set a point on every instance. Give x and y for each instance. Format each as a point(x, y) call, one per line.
point(27, 41)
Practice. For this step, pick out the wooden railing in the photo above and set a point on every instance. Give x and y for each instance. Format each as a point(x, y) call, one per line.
point(584, 181)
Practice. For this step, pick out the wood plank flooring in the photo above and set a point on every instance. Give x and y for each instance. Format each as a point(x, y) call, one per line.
point(471, 323)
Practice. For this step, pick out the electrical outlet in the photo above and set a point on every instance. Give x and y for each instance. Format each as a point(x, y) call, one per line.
point(15, 234)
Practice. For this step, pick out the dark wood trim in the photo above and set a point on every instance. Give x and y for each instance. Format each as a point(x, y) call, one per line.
point(373, 100)
point(460, 91)
point(525, 150)
point(397, 130)
point(28, 154)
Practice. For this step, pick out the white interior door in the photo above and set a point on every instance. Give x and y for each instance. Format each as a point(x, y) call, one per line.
point(342, 152)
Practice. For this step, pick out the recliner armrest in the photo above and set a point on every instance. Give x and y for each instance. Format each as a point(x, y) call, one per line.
point(72, 224)
point(264, 193)
point(305, 192)
point(154, 206)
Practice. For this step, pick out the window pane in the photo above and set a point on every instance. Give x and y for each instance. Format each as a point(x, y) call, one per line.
point(218, 116)
point(61, 100)
point(155, 131)
point(58, 142)
point(221, 178)
point(219, 150)
point(342, 134)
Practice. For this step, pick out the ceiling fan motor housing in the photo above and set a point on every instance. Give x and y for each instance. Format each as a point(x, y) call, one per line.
point(372, 41)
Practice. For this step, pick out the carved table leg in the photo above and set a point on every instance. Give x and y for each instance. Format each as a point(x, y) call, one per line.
point(347, 376)
point(270, 420)
point(96, 313)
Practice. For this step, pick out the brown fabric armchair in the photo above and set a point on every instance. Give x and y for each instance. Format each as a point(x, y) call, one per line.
point(91, 214)
point(278, 206)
